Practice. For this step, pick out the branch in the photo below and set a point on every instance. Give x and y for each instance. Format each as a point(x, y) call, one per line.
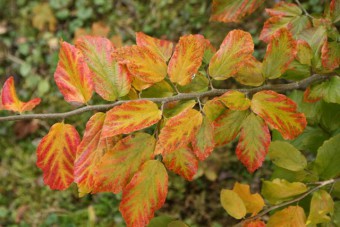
point(182, 96)
point(303, 9)
point(320, 185)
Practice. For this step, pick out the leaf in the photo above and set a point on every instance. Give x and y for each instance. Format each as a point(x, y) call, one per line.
point(158, 47)
point(253, 202)
point(281, 51)
point(203, 143)
point(129, 117)
point(209, 51)
point(321, 208)
point(141, 85)
point(186, 59)
point(10, 100)
point(42, 16)
point(228, 125)
point(72, 76)
point(160, 89)
point(280, 190)
point(214, 108)
point(255, 223)
point(178, 131)
point(328, 158)
point(235, 100)
point(284, 9)
point(182, 162)
point(160, 221)
point(254, 142)
point(119, 164)
point(56, 153)
point(171, 109)
point(304, 52)
point(279, 112)
point(232, 203)
point(290, 216)
point(145, 194)
point(110, 79)
point(251, 73)
point(334, 8)
point(330, 55)
point(138, 60)
point(233, 10)
point(328, 90)
point(286, 156)
point(199, 83)
point(177, 224)
point(235, 50)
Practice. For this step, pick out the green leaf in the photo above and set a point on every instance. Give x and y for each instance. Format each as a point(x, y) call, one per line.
point(288, 175)
point(160, 89)
point(328, 90)
point(279, 190)
point(328, 158)
point(175, 108)
point(285, 155)
point(321, 207)
point(336, 214)
point(296, 71)
point(160, 221)
point(198, 84)
point(233, 204)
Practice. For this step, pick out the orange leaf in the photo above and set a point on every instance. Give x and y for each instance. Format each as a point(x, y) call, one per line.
point(256, 223)
point(330, 55)
point(178, 131)
point(254, 142)
point(129, 117)
point(280, 53)
point(111, 80)
point(72, 76)
point(139, 59)
point(235, 100)
point(145, 194)
point(159, 47)
point(228, 125)
point(120, 163)
point(186, 59)
point(10, 100)
point(290, 216)
point(203, 143)
point(233, 10)
point(183, 162)
point(279, 112)
point(235, 50)
point(56, 153)
point(284, 9)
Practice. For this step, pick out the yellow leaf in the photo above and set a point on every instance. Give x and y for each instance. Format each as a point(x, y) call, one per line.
point(321, 207)
point(233, 204)
point(42, 16)
point(292, 216)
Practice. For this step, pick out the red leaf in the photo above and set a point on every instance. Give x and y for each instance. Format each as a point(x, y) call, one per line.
point(330, 55)
point(10, 100)
point(56, 153)
point(255, 223)
point(72, 76)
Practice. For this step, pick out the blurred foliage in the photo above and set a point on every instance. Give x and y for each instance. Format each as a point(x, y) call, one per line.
point(30, 31)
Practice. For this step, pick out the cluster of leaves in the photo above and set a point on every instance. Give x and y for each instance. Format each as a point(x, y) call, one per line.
point(129, 148)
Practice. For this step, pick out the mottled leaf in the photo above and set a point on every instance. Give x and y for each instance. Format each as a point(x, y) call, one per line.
point(183, 162)
point(120, 163)
point(145, 194)
point(254, 142)
point(321, 208)
point(304, 52)
point(56, 153)
point(285, 155)
point(330, 55)
point(334, 9)
point(139, 59)
point(290, 216)
point(73, 76)
point(110, 79)
point(158, 47)
point(186, 59)
point(236, 49)
point(235, 100)
point(10, 101)
point(129, 117)
point(279, 112)
point(280, 190)
point(232, 203)
point(250, 73)
point(284, 9)
point(280, 52)
point(214, 108)
point(203, 143)
point(178, 131)
point(328, 90)
point(171, 109)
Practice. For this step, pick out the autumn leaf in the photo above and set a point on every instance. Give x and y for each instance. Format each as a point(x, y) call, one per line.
point(214, 108)
point(178, 131)
point(281, 51)
point(255, 223)
point(145, 194)
point(232, 203)
point(56, 153)
point(183, 162)
point(284, 9)
point(171, 109)
point(236, 49)
point(254, 142)
point(158, 47)
point(330, 55)
point(233, 10)
point(111, 80)
point(290, 216)
point(42, 16)
point(72, 76)
point(120, 163)
point(250, 73)
point(321, 208)
point(279, 112)
point(203, 143)
point(138, 60)
point(235, 100)
point(186, 59)
point(304, 52)
point(10, 101)
point(129, 117)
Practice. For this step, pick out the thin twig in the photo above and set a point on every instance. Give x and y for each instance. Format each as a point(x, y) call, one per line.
point(303, 9)
point(182, 96)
